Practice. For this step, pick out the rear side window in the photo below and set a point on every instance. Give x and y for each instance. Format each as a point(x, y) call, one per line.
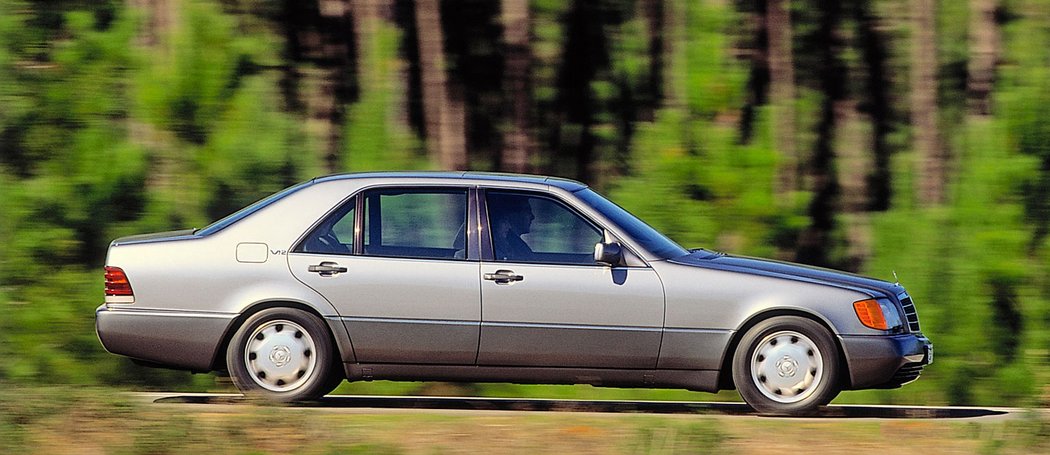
point(428, 223)
point(335, 235)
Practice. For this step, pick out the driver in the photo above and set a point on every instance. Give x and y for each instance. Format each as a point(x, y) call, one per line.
point(511, 218)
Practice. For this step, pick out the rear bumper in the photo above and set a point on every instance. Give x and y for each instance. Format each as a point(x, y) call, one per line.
point(886, 362)
point(174, 339)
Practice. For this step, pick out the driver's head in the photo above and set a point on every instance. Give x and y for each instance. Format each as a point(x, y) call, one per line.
point(511, 213)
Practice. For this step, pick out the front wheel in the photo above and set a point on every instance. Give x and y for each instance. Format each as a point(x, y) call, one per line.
point(282, 355)
point(786, 365)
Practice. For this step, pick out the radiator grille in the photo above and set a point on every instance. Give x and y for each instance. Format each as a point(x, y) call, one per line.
point(910, 314)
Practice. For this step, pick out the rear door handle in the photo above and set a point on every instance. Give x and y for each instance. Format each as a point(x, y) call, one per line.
point(326, 268)
point(503, 277)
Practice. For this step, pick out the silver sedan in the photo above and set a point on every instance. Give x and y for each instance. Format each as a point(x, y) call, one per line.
point(462, 276)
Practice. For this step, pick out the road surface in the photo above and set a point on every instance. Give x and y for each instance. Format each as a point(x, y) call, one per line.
point(364, 404)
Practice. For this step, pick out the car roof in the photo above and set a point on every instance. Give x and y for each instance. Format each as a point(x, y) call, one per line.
point(408, 176)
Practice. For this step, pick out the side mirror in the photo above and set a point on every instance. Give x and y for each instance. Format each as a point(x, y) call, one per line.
point(608, 253)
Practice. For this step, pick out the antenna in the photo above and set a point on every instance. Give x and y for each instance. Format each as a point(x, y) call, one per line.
point(898, 280)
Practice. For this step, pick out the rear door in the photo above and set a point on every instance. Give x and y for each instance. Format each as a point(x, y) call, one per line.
point(547, 303)
point(397, 265)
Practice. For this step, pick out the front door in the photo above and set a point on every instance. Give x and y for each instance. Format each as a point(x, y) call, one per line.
point(394, 263)
point(547, 303)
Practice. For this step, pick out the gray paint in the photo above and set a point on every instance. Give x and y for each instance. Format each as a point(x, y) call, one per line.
point(585, 316)
point(414, 341)
point(700, 380)
point(568, 346)
point(174, 338)
point(691, 349)
point(661, 322)
point(388, 289)
point(703, 298)
point(874, 360)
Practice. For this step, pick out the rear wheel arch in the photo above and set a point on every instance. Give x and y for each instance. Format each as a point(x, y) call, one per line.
point(725, 372)
point(338, 338)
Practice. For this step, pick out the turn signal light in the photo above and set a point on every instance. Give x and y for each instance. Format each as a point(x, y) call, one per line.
point(870, 314)
point(117, 283)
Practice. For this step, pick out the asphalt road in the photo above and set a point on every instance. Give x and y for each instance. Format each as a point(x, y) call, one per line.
point(385, 404)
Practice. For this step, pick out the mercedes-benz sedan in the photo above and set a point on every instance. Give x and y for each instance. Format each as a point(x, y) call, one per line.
point(490, 277)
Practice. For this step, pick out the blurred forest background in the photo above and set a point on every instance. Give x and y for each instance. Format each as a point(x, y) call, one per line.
point(868, 135)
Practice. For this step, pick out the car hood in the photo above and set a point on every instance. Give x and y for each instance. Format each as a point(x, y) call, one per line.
point(789, 270)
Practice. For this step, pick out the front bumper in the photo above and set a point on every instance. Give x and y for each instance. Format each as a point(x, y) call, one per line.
point(173, 339)
point(886, 362)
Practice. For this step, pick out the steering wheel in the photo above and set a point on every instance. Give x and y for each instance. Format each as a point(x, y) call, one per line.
point(331, 243)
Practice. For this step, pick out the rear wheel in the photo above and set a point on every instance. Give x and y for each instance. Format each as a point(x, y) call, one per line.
point(283, 355)
point(786, 365)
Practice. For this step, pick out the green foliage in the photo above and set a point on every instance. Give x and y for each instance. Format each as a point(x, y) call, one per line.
point(375, 140)
point(110, 127)
point(713, 191)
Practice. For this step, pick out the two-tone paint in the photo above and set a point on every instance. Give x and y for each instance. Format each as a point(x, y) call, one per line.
point(653, 321)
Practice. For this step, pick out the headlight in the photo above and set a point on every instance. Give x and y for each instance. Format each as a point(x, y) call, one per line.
point(877, 314)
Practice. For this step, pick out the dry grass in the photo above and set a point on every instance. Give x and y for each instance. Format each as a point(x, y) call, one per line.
point(99, 422)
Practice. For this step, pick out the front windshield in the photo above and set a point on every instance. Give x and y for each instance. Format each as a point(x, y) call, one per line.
point(649, 238)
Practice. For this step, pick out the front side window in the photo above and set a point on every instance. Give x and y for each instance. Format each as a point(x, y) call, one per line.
point(415, 223)
point(533, 228)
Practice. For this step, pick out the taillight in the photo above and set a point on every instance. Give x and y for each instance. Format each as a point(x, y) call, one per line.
point(117, 283)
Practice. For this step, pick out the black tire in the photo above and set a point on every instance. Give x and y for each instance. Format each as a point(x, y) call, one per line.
point(283, 355)
point(787, 365)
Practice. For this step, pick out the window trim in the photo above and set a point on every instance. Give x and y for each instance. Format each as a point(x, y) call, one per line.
point(472, 240)
point(467, 189)
point(488, 247)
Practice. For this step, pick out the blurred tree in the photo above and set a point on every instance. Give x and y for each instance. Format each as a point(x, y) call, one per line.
point(782, 92)
point(320, 76)
point(518, 143)
point(442, 102)
point(933, 161)
point(656, 17)
point(130, 116)
point(984, 55)
point(876, 101)
point(817, 242)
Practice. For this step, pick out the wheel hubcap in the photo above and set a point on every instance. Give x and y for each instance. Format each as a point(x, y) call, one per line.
point(786, 366)
point(280, 356)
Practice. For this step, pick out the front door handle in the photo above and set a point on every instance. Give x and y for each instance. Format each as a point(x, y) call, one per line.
point(326, 268)
point(503, 277)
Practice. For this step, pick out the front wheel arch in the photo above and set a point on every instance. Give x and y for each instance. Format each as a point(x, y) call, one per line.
point(787, 365)
point(725, 372)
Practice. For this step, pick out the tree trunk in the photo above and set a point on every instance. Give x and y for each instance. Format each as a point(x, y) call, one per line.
point(853, 166)
point(782, 92)
point(877, 102)
point(816, 242)
point(161, 18)
point(984, 55)
point(517, 142)
point(656, 26)
point(932, 158)
point(319, 78)
point(443, 110)
point(673, 84)
point(757, 51)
